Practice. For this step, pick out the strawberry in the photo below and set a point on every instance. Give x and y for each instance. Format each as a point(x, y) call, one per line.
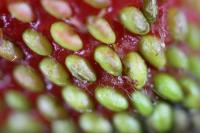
point(99, 66)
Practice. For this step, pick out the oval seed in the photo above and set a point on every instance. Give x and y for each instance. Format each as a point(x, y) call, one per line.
point(21, 11)
point(65, 36)
point(63, 126)
point(153, 51)
point(80, 68)
point(162, 118)
point(28, 78)
point(98, 3)
point(192, 92)
point(176, 57)
point(54, 71)
point(101, 30)
point(134, 20)
point(167, 87)
point(94, 123)
point(10, 52)
point(57, 8)
point(76, 98)
point(16, 100)
point(125, 123)
point(108, 60)
point(194, 65)
point(193, 36)
point(110, 98)
point(181, 120)
point(136, 68)
point(37, 42)
point(142, 103)
point(150, 10)
point(177, 24)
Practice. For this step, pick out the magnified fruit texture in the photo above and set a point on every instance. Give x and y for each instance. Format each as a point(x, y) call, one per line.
point(99, 66)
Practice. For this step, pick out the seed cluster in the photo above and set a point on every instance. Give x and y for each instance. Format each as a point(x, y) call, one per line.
point(144, 67)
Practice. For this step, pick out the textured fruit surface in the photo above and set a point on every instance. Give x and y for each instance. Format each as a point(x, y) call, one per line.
point(99, 66)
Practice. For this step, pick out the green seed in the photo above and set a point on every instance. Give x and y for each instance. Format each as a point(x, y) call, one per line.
point(10, 51)
point(134, 20)
point(94, 123)
point(110, 98)
point(181, 120)
point(28, 78)
point(194, 65)
point(17, 100)
point(192, 93)
point(176, 58)
point(193, 36)
point(65, 36)
point(80, 68)
point(54, 71)
point(177, 24)
point(101, 30)
point(49, 107)
point(37, 42)
point(76, 98)
point(57, 8)
point(22, 11)
point(153, 51)
point(125, 123)
point(98, 3)
point(108, 60)
point(136, 68)
point(150, 10)
point(162, 118)
point(195, 118)
point(142, 103)
point(23, 123)
point(63, 126)
point(167, 87)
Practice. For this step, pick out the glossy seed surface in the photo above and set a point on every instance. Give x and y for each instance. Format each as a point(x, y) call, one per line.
point(80, 68)
point(150, 10)
point(64, 35)
point(133, 20)
point(110, 98)
point(136, 69)
point(61, 126)
point(193, 36)
point(37, 42)
point(100, 29)
point(98, 3)
point(108, 60)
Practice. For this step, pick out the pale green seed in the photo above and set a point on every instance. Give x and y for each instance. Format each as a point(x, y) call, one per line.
point(150, 10)
point(108, 60)
point(136, 69)
point(22, 11)
point(17, 100)
point(176, 57)
point(162, 118)
point(125, 123)
point(80, 68)
point(192, 93)
point(28, 78)
point(57, 8)
point(181, 120)
point(177, 24)
point(110, 98)
point(133, 20)
point(49, 107)
point(98, 3)
point(10, 52)
point(76, 98)
point(167, 87)
point(153, 51)
point(94, 123)
point(37, 42)
point(193, 36)
point(63, 126)
point(23, 123)
point(194, 65)
point(54, 71)
point(101, 30)
point(142, 103)
point(65, 36)
point(195, 120)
